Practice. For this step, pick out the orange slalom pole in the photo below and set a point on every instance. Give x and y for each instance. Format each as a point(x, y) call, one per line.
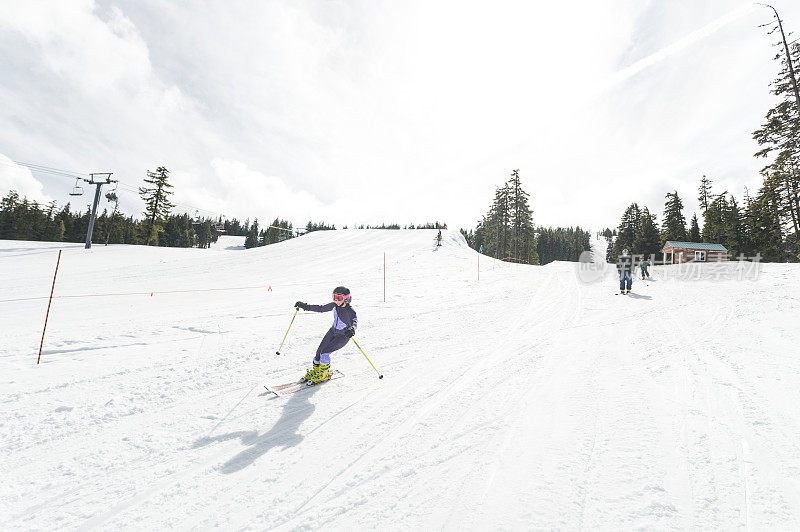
point(48, 307)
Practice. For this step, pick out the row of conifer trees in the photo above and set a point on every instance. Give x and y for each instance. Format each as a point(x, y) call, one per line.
point(768, 223)
point(507, 232)
point(22, 219)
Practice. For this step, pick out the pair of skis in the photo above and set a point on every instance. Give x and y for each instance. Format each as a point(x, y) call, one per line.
point(281, 390)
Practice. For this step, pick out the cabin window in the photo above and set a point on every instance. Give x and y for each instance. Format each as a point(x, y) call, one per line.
point(700, 256)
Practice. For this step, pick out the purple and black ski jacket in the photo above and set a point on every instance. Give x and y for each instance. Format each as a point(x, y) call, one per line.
point(343, 316)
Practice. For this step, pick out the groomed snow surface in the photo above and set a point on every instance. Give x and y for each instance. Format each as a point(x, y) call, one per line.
point(528, 399)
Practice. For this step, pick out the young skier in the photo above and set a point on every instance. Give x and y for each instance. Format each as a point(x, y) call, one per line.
point(439, 239)
point(625, 269)
point(644, 265)
point(343, 328)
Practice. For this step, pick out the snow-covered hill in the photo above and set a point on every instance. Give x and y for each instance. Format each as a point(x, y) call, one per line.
point(527, 399)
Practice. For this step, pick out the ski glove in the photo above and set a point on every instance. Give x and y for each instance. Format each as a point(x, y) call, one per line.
point(349, 331)
point(301, 305)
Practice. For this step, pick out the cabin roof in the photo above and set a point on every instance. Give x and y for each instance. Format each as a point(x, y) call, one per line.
point(696, 245)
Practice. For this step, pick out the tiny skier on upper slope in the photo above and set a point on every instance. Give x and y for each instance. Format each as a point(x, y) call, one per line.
point(625, 269)
point(343, 328)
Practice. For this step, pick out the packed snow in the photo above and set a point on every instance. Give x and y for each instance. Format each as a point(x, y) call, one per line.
point(515, 397)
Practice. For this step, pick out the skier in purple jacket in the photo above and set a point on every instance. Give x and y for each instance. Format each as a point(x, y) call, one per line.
point(344, 327)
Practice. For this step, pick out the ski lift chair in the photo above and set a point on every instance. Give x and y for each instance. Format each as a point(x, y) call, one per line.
point(77, 190)
point(112, 196)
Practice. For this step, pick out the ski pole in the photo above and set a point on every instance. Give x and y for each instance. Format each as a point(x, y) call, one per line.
point(296, 310)
point(380, 375)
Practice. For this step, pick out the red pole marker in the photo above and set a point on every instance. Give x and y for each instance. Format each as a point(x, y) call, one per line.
point(48, 307)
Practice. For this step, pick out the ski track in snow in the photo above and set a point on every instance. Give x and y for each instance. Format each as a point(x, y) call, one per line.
point(525, 400)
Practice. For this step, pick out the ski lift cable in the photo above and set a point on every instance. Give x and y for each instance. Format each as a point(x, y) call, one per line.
point(50, 169)
point(44, 170)
point(135, 190)
point(77, 175)
point(82, 176)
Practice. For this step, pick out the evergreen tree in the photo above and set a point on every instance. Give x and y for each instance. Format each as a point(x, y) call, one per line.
point(8, 207)
point(205, 235)
point(252, 239)
point(763, 218)
point(281, 230)
point(694, 231)
point(157, 204)
point(561, 243)
point(322, 226)
point(714, 226)
point(674, 227)
point(779, 137)
point(646, 239)
point(627, 230)
point(499, 217)
point(521, 220)
point(705, 194)
point(506, 231)
point(734, 235)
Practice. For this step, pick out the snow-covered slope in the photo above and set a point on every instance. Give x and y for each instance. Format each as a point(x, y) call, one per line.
point(526, 399)
point(228, 243)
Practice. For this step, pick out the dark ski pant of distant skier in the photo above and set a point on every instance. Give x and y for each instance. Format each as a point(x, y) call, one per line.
point(625, 281)
point(330, 342)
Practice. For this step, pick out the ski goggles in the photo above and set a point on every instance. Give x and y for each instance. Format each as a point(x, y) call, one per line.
point(340, 297)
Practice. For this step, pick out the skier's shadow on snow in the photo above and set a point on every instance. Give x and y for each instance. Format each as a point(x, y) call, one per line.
point(637, 296)
point(285, 433)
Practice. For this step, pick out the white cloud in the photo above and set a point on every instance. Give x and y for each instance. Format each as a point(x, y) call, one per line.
point(95, 55)
point(678, 46)
point(20, 179)
point(236, 187)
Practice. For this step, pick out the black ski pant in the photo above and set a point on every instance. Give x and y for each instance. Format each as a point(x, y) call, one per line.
point(332, 341)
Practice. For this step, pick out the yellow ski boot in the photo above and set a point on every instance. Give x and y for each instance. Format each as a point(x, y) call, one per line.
point(310, 373)
point(321, 374)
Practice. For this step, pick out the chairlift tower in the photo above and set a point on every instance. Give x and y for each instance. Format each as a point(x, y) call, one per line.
point(99, 182)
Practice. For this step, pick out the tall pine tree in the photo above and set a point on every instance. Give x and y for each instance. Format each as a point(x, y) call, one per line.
point(157, 204)
point(674, 226)
point(694, 230)
point(646, 240)
point(627, 230)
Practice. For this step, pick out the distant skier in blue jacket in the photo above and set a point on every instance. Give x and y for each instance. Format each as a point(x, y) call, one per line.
point(344, 327)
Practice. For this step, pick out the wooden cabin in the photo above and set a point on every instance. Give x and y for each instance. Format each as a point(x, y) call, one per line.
point(680, 252)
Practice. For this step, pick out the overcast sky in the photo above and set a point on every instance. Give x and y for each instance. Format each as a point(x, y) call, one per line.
point(404, 111)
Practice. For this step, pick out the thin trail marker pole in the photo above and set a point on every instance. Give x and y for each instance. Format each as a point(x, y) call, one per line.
point(384, 277)
point(380, 375)
point(296, 310)
point(48, 307)
point(479, 266)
